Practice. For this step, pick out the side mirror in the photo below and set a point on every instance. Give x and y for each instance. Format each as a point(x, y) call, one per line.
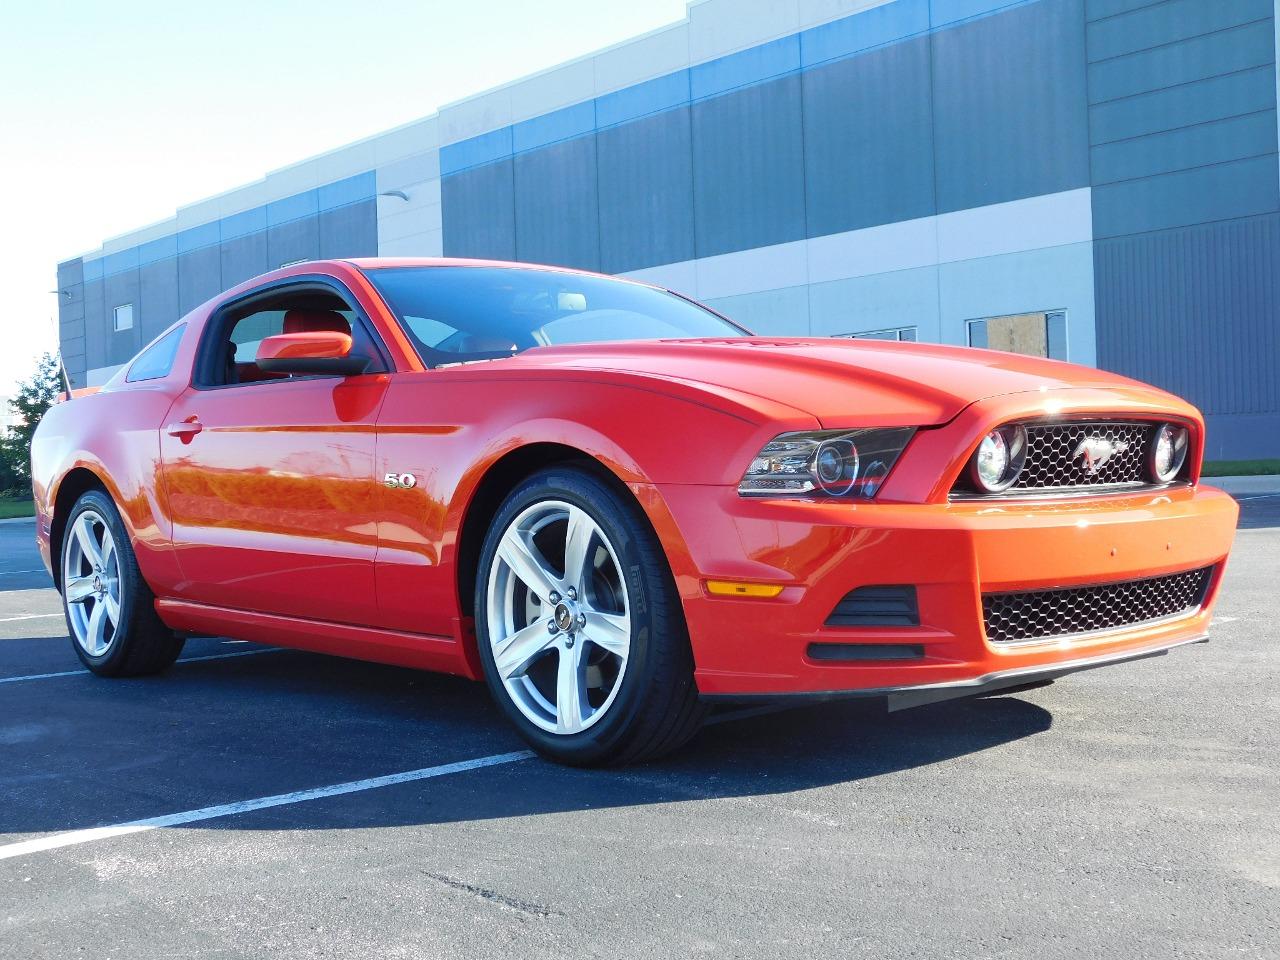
point(323, 352)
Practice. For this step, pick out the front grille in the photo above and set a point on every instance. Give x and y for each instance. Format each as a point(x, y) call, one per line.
point(1064, 612)
point(1053, 460)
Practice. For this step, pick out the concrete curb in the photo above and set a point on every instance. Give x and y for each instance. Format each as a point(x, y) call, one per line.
point(1268, 483)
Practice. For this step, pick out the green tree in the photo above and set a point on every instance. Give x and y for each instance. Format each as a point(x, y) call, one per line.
point(35, 395)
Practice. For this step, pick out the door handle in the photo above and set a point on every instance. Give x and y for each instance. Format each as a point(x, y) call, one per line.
point(185, 430)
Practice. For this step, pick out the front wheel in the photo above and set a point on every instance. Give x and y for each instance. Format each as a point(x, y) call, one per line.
point(110, 609)
point(580, 629)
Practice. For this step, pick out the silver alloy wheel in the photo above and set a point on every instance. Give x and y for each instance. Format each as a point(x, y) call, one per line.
point(558, 616)
point(91, 583)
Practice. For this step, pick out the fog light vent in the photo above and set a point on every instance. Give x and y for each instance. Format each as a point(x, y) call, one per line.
point(877, 606)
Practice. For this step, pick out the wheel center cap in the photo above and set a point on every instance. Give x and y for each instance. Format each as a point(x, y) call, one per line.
point(563, 616)
point(97, 584)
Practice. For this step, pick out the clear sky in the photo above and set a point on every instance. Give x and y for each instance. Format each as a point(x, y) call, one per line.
point(113, 113)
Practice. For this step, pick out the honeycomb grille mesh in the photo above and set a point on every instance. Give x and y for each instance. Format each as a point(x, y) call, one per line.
point(1054, 459)
point(1045, 614)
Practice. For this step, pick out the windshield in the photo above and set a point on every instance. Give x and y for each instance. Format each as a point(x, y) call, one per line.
point(456, 314)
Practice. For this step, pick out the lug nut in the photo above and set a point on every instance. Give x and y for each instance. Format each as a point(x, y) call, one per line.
point(573, 593)
point(553, 597)
point(551, 626)
point(582, 619)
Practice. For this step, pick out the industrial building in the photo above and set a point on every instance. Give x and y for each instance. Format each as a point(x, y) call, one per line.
point(1090, 180)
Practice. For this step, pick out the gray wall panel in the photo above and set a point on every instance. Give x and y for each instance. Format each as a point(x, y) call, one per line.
point(158, 297)
point(121, 288)
point(95, 327)
point(645, 172)
point(243, 257)
point(349, 231)
point(1098, 9)
point(868, 139)
point(1198, 58)
point(295, 240)
point(478, 212)
point(1238, 189)
point(748, 168)
point(1215, 290)
point(1238, 137)
point(199, 277)
point(1010, 106)
point(1199, 102)
point(557, 210)
point(71, 326)
point(1166, 23)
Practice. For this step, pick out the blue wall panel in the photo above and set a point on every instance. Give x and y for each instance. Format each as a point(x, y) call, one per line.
point(557, 208)
point(866, 165)
point(157, 298)
point(1009, 106)
point(748, 168)
point(478, 208)
point(645, 174)
point(350, 230)
point(199, 277)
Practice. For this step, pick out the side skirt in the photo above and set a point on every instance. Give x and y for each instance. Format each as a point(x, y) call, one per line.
point(419, 651)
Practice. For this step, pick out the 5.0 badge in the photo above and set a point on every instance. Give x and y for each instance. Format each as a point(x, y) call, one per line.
point(400, 481)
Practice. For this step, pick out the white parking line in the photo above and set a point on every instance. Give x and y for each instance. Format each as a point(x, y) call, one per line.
point(40, 844)
point(30, 616)
point(78, 673)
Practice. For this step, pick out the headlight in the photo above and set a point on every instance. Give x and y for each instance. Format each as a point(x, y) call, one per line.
point(1000, 458)
point(1168, 452)
point(833, 463)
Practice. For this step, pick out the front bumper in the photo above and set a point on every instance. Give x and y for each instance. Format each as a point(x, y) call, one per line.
point(951, 553)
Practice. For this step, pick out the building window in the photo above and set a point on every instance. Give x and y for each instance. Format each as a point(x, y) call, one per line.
point(894, 333)
point(124, 317)
point(1031, 334)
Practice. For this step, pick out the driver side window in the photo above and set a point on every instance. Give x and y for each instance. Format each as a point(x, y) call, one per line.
point(240, 332)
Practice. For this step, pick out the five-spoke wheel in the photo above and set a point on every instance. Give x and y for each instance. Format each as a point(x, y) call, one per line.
point(581, 633)
point(91, 583)
point(557, 613)
point(110, 609)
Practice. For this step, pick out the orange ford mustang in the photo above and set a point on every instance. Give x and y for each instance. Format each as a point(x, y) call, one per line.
point(615, 505)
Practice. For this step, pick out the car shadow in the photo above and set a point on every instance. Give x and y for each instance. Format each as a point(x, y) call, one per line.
point(214, 732)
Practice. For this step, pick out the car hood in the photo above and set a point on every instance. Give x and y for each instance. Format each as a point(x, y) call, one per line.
point(840, 382)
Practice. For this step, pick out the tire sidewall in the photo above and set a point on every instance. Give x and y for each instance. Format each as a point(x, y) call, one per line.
point(116, 654)
point(644, 586)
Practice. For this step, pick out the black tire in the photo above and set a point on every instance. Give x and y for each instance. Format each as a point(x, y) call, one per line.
point(140, 643)
point(656, 708)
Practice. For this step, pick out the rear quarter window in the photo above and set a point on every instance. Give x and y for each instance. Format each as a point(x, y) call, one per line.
point(156, 361)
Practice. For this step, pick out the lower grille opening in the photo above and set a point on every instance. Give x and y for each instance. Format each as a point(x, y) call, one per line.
point(877, 606)
point(1068, 611)
point(866, 651)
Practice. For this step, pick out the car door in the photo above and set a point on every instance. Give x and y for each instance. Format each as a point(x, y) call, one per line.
point(269, 478)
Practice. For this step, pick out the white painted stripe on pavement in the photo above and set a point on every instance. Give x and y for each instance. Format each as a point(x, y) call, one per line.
point(74, 837)
point(30, 616)
point(78, 673)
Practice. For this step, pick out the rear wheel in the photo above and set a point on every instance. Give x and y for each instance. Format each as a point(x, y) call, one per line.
point(110, 609)
point(581, 632)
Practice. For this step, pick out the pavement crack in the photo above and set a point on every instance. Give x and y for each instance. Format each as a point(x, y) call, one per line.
point(501, 900)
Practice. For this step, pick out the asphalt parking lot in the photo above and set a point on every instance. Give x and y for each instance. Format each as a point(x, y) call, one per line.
point(1126, 812)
